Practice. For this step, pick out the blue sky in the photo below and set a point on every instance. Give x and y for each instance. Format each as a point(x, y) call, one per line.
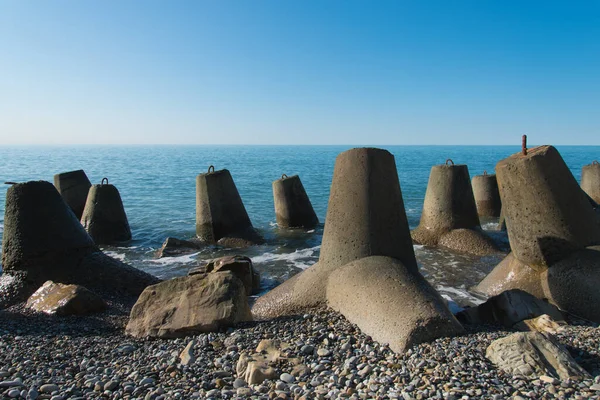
point(299, 72)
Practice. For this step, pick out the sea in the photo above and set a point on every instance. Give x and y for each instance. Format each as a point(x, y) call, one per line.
point(157, 185)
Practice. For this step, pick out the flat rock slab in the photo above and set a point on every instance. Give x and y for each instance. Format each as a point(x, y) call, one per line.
point(390, 303)
point(533, 354)
point(189, 305)
point(173, 247)
point(59, 299)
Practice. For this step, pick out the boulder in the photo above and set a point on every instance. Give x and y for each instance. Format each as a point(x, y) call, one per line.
point(543, 323)
point(509, 308)
point(532, 354)
point(189, 305)
point(241, 267)
point(293, 208)
point(220, 212)
point(389, 303)
point(59, 299)
point(173, 247)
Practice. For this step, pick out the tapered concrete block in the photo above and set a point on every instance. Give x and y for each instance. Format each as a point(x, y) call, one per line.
point(43, 240)
point(449, 210)
point(220, 212)
point(549, 216)
point(293, 208)
point(365, 217)
point(73, 186)
point(487, 195)
point(511, 274)
point(104, 216)
point(590, 180)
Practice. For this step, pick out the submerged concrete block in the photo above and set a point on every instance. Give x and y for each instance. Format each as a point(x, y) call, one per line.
point(73, 186)
point(487, 195)
point(220, 212)
point(549, 216)
point(590, 180)
point(104, 217)
point(293, 208)
point(365, 217)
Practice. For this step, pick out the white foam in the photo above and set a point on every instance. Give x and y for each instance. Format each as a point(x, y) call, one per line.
point(187, 258)
point(460, 294)
point(300, 258)
point(418, 246)
point(115, 255)
point(454, 308)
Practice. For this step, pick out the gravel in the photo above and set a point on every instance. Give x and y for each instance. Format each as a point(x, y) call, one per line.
point(91, 358)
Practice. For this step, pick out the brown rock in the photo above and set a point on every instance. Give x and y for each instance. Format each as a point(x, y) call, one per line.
point(543, 323)
point(173, 247)
point(189, 305)
point(59, 299)
point(241, 267)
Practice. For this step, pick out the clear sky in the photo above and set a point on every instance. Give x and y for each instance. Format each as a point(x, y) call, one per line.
point(299, 72)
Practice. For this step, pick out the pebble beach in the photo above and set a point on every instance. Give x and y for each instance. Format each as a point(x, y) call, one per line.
point(91, 358)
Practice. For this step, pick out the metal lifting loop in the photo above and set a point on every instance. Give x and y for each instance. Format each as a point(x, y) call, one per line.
point(283, 176)
point(484, 172)
point(595, 162)
point(524, 145)
point(449, 161)
point(211, 169)
point(104, 179)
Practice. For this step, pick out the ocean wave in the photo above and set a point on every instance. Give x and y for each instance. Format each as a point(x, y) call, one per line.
point(115, 255)
point(185, 259)
point(302, 258)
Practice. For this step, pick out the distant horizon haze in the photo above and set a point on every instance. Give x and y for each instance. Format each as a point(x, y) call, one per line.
point(294, 72)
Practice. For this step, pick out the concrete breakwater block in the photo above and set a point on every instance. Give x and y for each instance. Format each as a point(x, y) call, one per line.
point(73, 186)
point(550, 225)
point(549, 215)
point(43, 240)
point(590, 180)
point(221, 217)
point(487, 195)
point(366, 219)
point(104, 216)
point(293, 208)
point(450, 205)
point(390, 303)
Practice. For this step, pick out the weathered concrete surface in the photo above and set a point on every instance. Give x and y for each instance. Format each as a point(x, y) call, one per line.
point(509, 308)
point(189, 305)
point(487, 195)
point(293, 208)
point(43, 240)
point(104, 217)
point(511, 274)
point(59, 299)
point(532, 354)
point(573, 284)
point(390, 303)
point(173, 247)
point(549, 215)
point(590, 180)
point(365, 217)
point(220, 212)
point(73, 186)
point(472, 241)
point(449, 204)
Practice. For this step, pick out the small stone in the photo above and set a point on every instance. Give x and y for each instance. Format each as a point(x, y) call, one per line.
point(365, 371)
point(307, 349)
point(547, 379)
point(595, 386)
point(323, 352)
point(239, 383)
point(48, 388)
point(287, 378)
point(244, 392)
point(146, 381)
point(14, 393)
point(111, 385)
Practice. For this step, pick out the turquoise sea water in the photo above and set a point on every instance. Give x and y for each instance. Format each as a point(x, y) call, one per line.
point(157, 185)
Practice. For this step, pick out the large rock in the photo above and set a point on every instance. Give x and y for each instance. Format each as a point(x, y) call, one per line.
point(550, 217)
point(59, 299)
point(532, 354)
point(189, 305)
point(293, 208)
point(450, 205)
point(43, 240)
point(173, 247)
point(241, 267)
point(509, 308)
point(73, 186)
point(390, 303)
point(365, 217)
point(220, 213)
point(104, 216)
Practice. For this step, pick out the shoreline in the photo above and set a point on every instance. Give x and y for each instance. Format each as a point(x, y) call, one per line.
point(90, 357)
